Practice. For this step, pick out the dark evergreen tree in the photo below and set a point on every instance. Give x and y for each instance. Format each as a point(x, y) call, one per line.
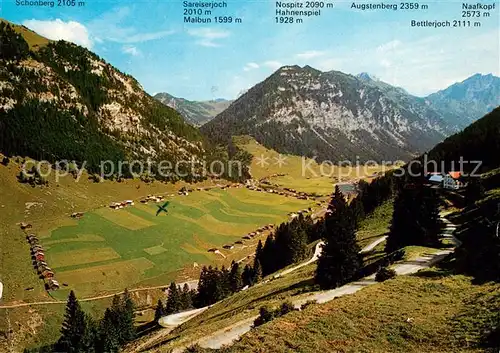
point(235, 277)
point(340, 260)
point(259, 252)
point(74, 327)
point(415, 219)
point(358, 211)
point(268, 260)
point(186, 297)
point(160, 310)
point(109, 337)
point(127, 318)
point(91, 335)
point(174, 300)
point(479, 254)
point(474, 191)
point(256, 272)
point(247, 275)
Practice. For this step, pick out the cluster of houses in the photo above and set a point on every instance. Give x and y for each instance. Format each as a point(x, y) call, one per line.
point(287, 192)
point(257, 232)
point(122, 204)
point(451, 180)
point(296, 214)
point(153, 198)
point(38, 256)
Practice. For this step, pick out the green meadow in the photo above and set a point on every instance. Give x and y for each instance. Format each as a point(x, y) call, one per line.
point(108, 250)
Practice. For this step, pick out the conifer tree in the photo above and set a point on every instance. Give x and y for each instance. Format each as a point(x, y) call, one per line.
point(256, 272)
point(109, 338)
point(268, 261)
point(474, 191)
point(91, 335)
point(127, 318)
point(223, 283)
point(259, 252)
point(358, 212)
point(247, 275)
point(340, 260)
point(235, 277)
point(186, 297)
point(174, 300)
point(160, 310)
point(415, 220)
point(73, 328)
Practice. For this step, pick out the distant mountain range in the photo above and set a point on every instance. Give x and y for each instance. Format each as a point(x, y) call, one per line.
point(82, 108)
point(194, 112)
point(466, 101)
point(332, 115)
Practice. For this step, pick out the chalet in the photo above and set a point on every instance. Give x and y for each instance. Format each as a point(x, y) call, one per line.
point(435, 178)
point(239, 242)
point(115, 205)
point(247, 237)
point(47, 273)
point(228, 247)
point(212, 250)
point(452, 181)
point(77, 215)
point(26, 226)
point(40, 257)
point(52, 284)
point(129, 203)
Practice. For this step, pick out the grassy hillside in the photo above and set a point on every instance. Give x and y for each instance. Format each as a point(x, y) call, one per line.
point(246, 304)
point(107, 250)
point(297, 172)
point(428, 312)
point(34, 40)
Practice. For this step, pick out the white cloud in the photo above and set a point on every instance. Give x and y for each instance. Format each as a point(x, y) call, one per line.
point(273, 64)
point(310, 54)
point(208, 36)
point(70, 31)
point(109, 26)
point(389, 46)
point(251, 66)
point(129, 49)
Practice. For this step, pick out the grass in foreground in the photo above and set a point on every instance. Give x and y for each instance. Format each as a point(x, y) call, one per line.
point(376, 224)
point(427, 312)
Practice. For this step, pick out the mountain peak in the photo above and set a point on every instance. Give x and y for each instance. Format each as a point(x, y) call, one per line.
point(367, 77)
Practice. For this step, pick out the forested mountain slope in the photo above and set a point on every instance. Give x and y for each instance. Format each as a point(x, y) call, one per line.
point(478, 142)
point(195, 112)
point(61, 101)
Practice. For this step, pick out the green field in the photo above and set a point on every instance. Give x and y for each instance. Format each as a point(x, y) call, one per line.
point(108, 250)
point(300, 173)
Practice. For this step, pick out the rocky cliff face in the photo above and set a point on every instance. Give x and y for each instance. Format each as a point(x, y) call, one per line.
point(332, 116)
point(61, 101)
point(465, 102)
point(196, 113)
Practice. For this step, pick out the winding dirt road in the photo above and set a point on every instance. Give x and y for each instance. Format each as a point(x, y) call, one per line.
point(229, 334)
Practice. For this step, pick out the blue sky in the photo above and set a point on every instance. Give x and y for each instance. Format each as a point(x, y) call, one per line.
point(149, 40)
